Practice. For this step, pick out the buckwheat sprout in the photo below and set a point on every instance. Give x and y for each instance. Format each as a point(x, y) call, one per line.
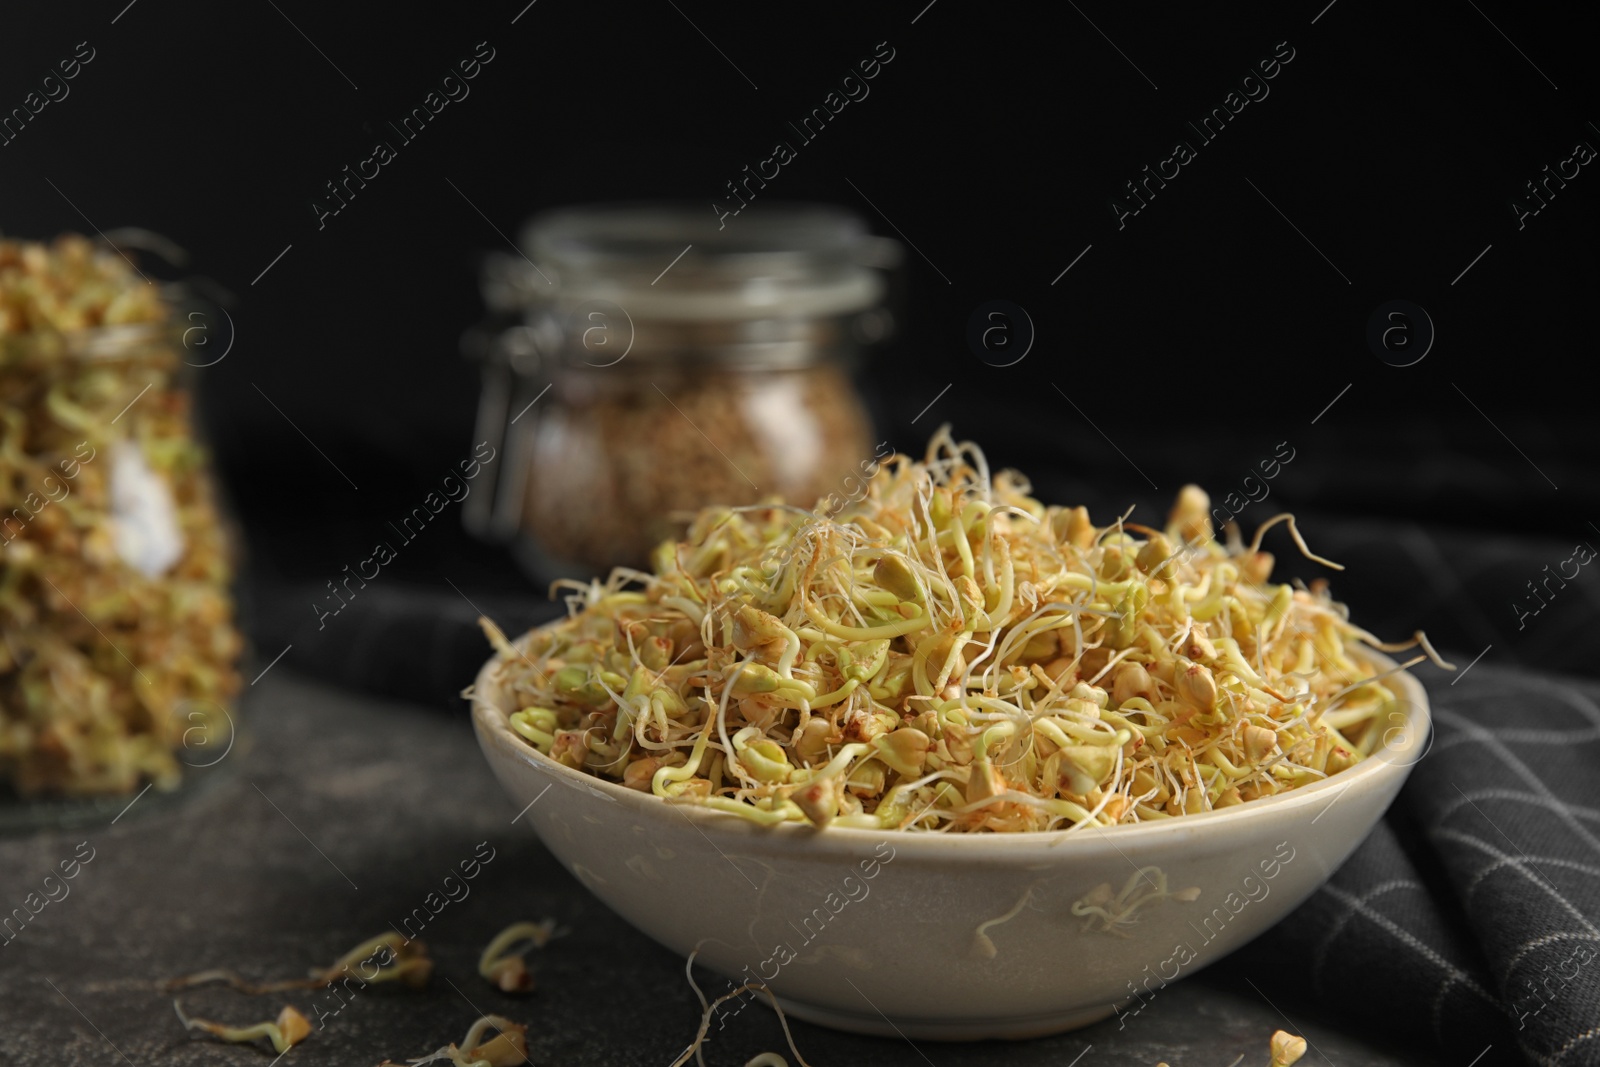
point(286, 1031)
point(1418, 639)
point(501, 962)
point(688, 973)
point(499, 642)
point(405, 960)
point(507, 1048)
point(694, 612)
point(392, 957)
point(1287, 1049)
point(1333, 700)
point(1020, 633)
point(722, 727)
point(988, 547)
point(705, 1023)
point(1112, 662)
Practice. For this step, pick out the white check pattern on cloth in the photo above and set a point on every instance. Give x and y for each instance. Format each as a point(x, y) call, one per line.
point(1452, 973)
point(1508, 800)
point(1473, 910)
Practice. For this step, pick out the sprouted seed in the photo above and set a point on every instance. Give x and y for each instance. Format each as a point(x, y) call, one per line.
point(393, 958)
point(709, 1008)
point(501, 963)
point(1104, 909)
point(949, 654)
point(705, 1024)
point(1286, 1050)
point(287, 1030)
point(507, 1048)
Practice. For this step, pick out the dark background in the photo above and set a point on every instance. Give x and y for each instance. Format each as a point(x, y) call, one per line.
point(1223, 319)
point(1196, 338)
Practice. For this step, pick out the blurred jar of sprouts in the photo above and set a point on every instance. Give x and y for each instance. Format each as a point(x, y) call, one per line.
point(644, 361)
point(118, 663)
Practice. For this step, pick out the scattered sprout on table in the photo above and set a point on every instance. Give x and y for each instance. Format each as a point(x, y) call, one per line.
point(696, 1047)
point(1286, 1050)
point(391, 957)
point(507, 1048)
point(501, 963)
point(289, 1029)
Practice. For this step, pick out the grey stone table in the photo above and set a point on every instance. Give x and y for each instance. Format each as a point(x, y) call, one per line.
point(331, 819)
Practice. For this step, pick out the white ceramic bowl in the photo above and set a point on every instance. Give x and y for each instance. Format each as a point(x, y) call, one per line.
point(946, 936)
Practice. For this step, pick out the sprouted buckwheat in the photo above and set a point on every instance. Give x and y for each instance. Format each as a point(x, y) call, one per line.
point(949, 654)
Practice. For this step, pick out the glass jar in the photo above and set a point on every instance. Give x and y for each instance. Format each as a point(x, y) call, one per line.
point(650, 362)
point(118, 663)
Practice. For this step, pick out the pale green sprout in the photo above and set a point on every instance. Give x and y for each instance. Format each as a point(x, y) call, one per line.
point(1287, 1049)
point(501, 963)
point(708, 1010)
point(507, 1048)
point(392, 957)
point(537, 725)
point(287, 1030)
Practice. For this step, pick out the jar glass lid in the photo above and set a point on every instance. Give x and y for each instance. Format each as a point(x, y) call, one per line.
point(678, 262)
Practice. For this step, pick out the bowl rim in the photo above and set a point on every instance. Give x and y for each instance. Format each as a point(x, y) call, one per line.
point(1371, 772)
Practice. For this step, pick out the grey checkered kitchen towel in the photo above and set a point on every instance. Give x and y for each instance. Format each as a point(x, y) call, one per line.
point(1469, 922)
